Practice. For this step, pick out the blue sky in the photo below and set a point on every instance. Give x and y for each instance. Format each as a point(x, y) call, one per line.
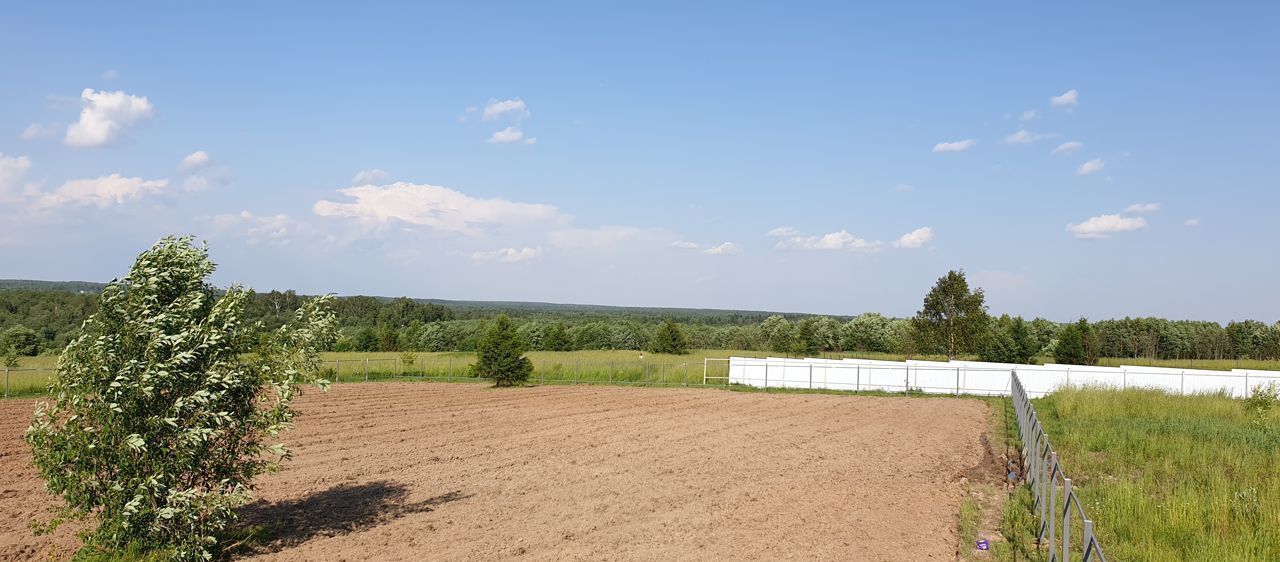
point(1086, 159)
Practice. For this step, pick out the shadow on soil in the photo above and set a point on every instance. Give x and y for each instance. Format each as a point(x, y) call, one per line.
point(345, 508)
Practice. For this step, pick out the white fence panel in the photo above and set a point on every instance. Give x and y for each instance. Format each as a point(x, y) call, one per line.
point(981, 378)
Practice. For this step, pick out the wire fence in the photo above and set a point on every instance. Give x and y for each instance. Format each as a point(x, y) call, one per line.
point(637, 372)
point(1049, 483)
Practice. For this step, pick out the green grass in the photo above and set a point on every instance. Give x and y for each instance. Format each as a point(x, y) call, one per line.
point(1168, 477)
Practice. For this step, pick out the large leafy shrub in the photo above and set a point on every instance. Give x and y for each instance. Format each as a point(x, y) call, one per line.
point(161, 409)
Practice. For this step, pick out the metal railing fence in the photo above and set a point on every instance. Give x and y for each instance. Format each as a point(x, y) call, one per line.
point(1049, 484)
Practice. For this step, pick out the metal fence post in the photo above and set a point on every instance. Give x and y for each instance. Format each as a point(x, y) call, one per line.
point(766, 374)
point(366, 369)
point(811, 376)
point(1066, 519)
point(684, 381)
point(578, 367)
point(1088, 538)
point(6, 382)
point(448, 369)
point(664, 374)
point(957, 381)
point(611, 372)
point(857, 378)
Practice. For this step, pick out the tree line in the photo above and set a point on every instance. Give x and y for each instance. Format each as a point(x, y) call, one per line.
point(43, 321)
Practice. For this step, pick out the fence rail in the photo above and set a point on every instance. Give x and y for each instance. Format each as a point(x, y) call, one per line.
point(1048, 482)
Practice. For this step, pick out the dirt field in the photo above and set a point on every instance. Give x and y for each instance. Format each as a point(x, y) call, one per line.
point(433, 471)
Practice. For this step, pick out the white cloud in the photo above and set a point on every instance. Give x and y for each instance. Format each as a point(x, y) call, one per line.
point(1138, 208)
point(509, 255)
point(531, 140)
point(1068, 99)
point(194, 161)
point(110, 74)
point(39, 131)
point(782, 232)
point(915, 239)
point(725, 249)
point(507, 136)
point(106, 116)
point(1067, 147)
point(604, 237)
point(1092, 166)
point(371, 176)
point(840, 240)
point(495, 109)
point(1028, 115)
point(1192, 222)
point(686, 245)
point(101, 192)
point(270, 229)
point(439, 208)
point(12, 170)
point(1024, 137)
point(1103, 226)
point(954, 146)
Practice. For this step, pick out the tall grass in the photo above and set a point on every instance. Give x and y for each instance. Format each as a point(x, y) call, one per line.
point(1168, 477)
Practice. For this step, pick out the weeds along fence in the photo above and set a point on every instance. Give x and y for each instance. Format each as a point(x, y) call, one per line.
point(639, 372)
point(25, 381)
point(1050, 485)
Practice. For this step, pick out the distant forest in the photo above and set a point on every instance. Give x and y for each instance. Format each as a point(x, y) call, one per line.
point(40, 317)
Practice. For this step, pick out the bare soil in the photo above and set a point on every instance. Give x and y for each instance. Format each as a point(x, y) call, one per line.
point(437, 471)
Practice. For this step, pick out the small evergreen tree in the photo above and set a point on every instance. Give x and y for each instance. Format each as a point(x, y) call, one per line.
point(501, 354)
point(806, 342)
point(1024, 341)
point(670, 339)
point(1074, 343)
point(160, 409)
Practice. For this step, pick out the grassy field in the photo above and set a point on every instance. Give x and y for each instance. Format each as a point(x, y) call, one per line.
point(1169, 477)
point(634, 367)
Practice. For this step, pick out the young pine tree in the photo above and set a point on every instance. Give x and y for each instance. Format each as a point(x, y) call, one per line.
point(670, 339)
point(160, 409)
point(501, 354)
point(1074, 344)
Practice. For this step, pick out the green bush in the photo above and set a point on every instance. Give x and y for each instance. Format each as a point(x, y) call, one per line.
point(670, 339)
point(501, 354)
point(160, 409)
point(22, 340)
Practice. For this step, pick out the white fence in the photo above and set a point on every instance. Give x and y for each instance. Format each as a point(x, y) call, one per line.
point(979, 378)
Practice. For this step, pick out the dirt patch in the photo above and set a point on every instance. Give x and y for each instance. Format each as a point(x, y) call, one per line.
point(415, 471)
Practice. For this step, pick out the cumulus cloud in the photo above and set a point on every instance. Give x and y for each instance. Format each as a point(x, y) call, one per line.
point(101, 192)
point(954, 146)
point(1138, 208)
point(1103, 226)
point(194, 161)
point(105, 117)
point(370, 176)
point(839, 240)
point(39, 131)
point(1067, 147)
point(915, 239)
point(507, 136)
point(1024, 137)
point(439, 208)
point(1067, 100)
point(509, 255)
point(782, 232)
point(110, 74)
point(725, 249)
point(275, 230)
point(497, 108)
point(12, 171)
point(1028, 115)
point(1090, 167)
point(1192, 222)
